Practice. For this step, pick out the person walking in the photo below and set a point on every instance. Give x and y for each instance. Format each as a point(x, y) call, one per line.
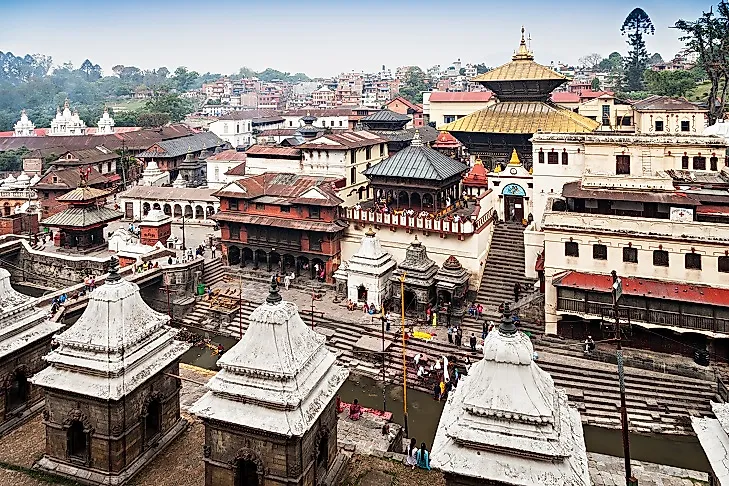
point(589, 345)
point(436, 391)
point(479, 310)
point(484, 331)
point(422, 457)
point(450, 335)
point(410, 453)
point(517, 291)
point(472, 342)
point(212, 252)
point(459, 337)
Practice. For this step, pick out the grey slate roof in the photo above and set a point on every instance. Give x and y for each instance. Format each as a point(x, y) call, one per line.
point(427, 133)
point(386, 116)
point(183, 145)
point(417, 163)
point(82, 217)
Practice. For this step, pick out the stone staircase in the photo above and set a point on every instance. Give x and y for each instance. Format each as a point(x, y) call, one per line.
point(657, 402)
point(214, 272)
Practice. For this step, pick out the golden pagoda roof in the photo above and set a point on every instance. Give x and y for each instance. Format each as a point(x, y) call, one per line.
point(521, 68)
point(524, 117)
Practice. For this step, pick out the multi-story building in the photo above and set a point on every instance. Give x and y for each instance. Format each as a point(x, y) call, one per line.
point(404, 107)
point(332, 118)
point(283, 222)
point(613, 114)
point(220, 165)
point(323, 97)
point(661, 114)
point(237, 127)
point(448, 107)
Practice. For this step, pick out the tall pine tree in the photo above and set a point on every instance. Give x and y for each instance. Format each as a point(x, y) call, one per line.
point(636, 24)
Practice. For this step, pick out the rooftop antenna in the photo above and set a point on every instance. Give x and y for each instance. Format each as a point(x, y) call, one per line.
point(529, 41)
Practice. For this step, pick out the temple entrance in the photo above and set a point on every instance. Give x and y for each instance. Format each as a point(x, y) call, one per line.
point(246, 473)
point(444, 297)
point(411, 302)
point(233, 255)
point(76, 441)
point(247, 256)
point(513, 208)
point(274, 262)
point(153, 420)
point(362, 293)
point(16, 393)
point(322, 456)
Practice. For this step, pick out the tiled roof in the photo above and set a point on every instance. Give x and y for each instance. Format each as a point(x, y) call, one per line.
point(238, 170)
point(412, 106)
point(588, 94)
point(445, 140)
point(228, 155)
point(525, 117)
point(520, 70)
point(417, 162)
point(82, 217)
point(83, 194)
point(308, 225)
point(289, 188)
point(386, 116)
point(273, 150)
point(664, 103)
point(643, 287)
point(344, 140)
point(461, 97)
point(565, 97)
point(169, 194)
point(87, 156)
point(68, 178)
point(250, 115)
point(277, 132)
point(319, 112)
point(427, 134)
point(184, 145)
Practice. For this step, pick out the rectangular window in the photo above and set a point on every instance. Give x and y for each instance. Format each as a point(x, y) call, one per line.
point(314, 242)
point(314, 212)
point(571, 249)
point(260, 207)
point(606, 115)
point(233, 204)
point(699, 163)
point(622, 164)
point(449, 118)
point(382, 150)
point(630, 255)
point(541, 157)
point(659, 125)
point(660, 258)
point(353, 175)
point(234, 232)
point(685, 126)
point(684, 162)
point(599, 252)
point(714, 163)
point(285, 209)
point(724, 264)
point(565, 158)
point(693, 261)
point(368, 153)
point(626, 121)
point(552, 158)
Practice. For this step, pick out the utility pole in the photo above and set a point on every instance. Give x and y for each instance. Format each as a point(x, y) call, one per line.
point(617, 293)
point(404, 361)
point(166, 289)
point(384, 383)
point(240, 305)
point(123, 164)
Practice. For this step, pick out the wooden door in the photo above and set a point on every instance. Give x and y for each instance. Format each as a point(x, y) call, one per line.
point(129, 210)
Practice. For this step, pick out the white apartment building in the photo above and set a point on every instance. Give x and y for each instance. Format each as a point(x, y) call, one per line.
point(219, 166)
point(237, 127)
point(333, 118)
point(445, 107)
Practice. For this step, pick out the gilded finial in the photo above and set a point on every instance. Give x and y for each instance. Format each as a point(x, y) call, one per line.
point(478, 161)
point(370, 232)
point(497, 168)
point(514, 158)
point(523, 53)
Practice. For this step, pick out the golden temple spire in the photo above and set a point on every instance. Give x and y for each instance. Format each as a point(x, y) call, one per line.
point(514, 158)
point(523, 53)
point(478, 161)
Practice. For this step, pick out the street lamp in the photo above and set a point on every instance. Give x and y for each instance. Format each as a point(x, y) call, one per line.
point(183, 225)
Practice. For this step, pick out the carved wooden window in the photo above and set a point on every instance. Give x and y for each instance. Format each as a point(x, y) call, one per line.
point(699, 163)
point(565, 158)
point(233, 204)
point(622, 164)
point(552, 158)
point(599, 252)
point(714, 163)
point(571, 249)
point(630, 255)
point(685, 162)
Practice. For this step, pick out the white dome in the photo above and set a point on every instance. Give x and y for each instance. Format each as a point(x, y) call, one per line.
point(10, 179)
point(23, 177)
point(35, 180)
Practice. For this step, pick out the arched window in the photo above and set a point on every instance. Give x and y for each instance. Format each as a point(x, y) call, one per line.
point(153, 420)
point(246, 473)
point(16, 392)
point(77, 439)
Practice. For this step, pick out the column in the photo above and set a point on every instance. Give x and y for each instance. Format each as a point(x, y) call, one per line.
point(268, 260)
point(255, 260)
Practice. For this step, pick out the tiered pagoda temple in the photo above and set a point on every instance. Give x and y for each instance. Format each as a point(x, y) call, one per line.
point(507, 425)
point(81, 225)
point(391, 126)
point(523, 88)
point(25, 337)
point(418, 178)
point(112, 392)
point(419, 284)
point(451, 285)
point(270, 413)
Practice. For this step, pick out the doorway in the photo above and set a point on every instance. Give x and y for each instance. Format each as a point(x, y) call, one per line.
point(513, 208)
point(129, 210)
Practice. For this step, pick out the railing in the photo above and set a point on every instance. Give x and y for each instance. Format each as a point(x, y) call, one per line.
point(416, 222)
point(19, 194)
point(650, 316)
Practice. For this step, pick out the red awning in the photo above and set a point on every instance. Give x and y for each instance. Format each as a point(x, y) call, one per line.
point(114, 178)
point(713, 210)
point(654, 289)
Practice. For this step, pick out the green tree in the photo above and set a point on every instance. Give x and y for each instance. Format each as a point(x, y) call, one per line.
point(462, 72)
point(12, 159)
point(595, 84)
point(482, 68)
point(636, 24)
point(709, 37)
point(655, 59)
point(414, 85)
point(90, 70)
point(669, 83)
point(183, 79)
point(152, 120)
point(171, 104)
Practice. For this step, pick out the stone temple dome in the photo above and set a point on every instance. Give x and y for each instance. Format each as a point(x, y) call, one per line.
point(278, 378)
point(507, 423)
point(66, 122)
point(24, 127)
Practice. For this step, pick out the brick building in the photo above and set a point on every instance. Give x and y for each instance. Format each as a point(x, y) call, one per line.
point(25, 337)
point(59, 181)
point(404, 107)
point(112, 398)
point(19, 224)
point(284, 222)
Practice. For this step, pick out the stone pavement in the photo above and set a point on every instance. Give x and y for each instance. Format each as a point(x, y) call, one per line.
point(610, 471)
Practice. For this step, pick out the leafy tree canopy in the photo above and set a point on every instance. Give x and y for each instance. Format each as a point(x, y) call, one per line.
point(636, 24)
point(670, 83)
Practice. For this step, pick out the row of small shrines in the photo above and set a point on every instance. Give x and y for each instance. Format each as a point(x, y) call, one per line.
point(373, 278)
point(110, 399)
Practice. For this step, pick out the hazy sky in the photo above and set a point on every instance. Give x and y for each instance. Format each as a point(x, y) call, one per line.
point(324, 38)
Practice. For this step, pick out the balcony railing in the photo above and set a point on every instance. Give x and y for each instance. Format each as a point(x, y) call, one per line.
point(415, 222)
point(650, 316)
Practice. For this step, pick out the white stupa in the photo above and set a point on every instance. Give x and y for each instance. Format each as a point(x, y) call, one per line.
point(506, 423)
point(278, 379)
point(34, 180)
point(23, 181)
point(153, 176)
point(369, 271)
point(66, 122)
point(105, 124)
point(24, 127)
point(179, 182)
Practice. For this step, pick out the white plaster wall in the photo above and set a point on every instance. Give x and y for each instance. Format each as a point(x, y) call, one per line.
point(339, 122)
point(377, 287)
point(645, 122)
point(533, 245)
point(439, 109)
point(219, 179)
point(259, 165)
point(235, 132)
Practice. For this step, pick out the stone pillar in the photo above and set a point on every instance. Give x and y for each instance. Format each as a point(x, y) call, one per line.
point(268, 261)
point(255, 260)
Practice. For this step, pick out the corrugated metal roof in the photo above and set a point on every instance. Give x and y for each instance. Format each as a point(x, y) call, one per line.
point(184, 145)
point(520, 70)
point(290, 187)
point(664, 103)
point(386, 116)
point(238, 170)
point(574, 189)
point(250, 115)
point(83, 194)
point(273, 150)
point(427, 134)
point(526, 117)
point(170, 194)
point(417, 163)
point(82, 217)
point(307, 225)
point(228, 155)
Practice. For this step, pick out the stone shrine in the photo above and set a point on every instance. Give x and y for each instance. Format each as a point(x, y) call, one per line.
point(506, 423)
point(105, 125)
point(451, 285)
point(66, 123)
point(713, 436)
point(270, 413)
point(112, 392)
point(25, 337)
point(24, 127)
point(419, 285)
point(155, 226)
point(153, 176)
point(368, 272)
